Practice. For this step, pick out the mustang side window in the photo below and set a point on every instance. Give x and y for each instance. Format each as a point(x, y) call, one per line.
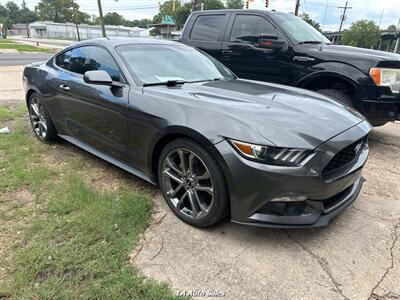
point(91, 58)
point(63, 59)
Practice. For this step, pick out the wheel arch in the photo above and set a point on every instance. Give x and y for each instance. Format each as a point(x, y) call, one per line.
point(176, 132)
point(29, 93)
point(331, 80)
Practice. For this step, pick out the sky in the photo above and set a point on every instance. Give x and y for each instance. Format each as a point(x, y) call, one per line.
point(361, 9)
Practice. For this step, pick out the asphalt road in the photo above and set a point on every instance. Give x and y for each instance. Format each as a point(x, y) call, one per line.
point(21, 59)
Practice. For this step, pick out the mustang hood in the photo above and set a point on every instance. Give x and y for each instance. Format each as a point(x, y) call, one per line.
point(285, 116)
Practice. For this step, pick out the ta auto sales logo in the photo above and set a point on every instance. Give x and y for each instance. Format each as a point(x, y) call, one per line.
point(200, 293)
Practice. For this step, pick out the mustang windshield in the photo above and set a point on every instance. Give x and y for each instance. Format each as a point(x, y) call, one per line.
point(299, 31)
point(157, 63)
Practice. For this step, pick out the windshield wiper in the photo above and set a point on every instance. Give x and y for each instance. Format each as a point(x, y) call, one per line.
point(208, 80)
point(310, 42)
point(167, 83)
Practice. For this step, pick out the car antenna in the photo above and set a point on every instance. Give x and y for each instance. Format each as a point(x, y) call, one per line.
point(323, 27)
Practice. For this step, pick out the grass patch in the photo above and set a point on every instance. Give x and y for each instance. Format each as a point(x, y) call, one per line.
point(75, 240)
point(9, 113)
point(5, 114)
point(80, 249)
point(6, 41)
point(8, 44)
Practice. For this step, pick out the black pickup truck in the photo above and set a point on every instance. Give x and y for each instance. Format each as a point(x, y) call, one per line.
point(282, 48)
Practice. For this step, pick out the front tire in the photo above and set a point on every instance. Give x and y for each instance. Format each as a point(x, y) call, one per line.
point(41, 122)
point(345, 99)
point(340, 96)
point(192, 183)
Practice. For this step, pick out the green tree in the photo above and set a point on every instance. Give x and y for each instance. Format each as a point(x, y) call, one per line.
point(60, 11)
point(114, 19)
point(12, 10)
point(182, 14)
point(14, 14)
point(392, 28)
point(7, 24)
point(362, 33)
point(3, 11)
point(143, 23)
point(26, 15)
point(234, 4)
point(212, 4)
point(168, 8)
point(306, 17)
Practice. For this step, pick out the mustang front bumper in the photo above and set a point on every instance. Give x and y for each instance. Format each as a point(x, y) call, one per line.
point(294, 197)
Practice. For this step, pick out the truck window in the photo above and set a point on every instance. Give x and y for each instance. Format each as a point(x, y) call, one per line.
point(247, 27)
point(207, 28)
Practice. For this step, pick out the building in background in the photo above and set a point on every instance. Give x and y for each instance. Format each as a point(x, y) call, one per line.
point(19, 29)
point(165, 28)
point(390, 41)
point(176, 35)
point(68, 31)
point(334, 36)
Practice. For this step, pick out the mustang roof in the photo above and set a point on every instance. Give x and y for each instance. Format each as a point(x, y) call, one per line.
point(117, 41)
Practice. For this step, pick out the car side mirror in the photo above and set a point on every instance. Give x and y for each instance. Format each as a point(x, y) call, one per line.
point(98, 77)
point(271, 41)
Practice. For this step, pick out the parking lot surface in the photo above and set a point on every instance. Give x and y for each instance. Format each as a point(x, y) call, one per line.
point(356, 257)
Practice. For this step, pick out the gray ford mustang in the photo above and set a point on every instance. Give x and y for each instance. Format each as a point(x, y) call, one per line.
point(218, 146)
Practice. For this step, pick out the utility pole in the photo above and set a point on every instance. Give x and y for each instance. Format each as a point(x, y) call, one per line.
point(296, 10)
point(343, 17)
point(380, 19)
point(103, 29)
point(196, 4)
point(76, 21)
point(25, 19)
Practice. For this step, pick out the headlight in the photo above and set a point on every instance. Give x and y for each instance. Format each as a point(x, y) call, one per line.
point(386, 77)
point(276, 156)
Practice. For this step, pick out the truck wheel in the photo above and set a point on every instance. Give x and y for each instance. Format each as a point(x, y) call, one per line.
point(340, 96)
point(345, 99)
point(378, 124)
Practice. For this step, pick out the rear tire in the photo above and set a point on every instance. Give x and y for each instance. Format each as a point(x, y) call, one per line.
point(41, 122)
point(340, 96)
point(192, 183)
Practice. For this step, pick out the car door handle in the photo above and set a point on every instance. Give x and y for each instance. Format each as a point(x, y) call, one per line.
point(64, 87)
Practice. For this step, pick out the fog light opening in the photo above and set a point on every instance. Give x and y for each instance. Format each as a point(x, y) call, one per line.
point(289, 199)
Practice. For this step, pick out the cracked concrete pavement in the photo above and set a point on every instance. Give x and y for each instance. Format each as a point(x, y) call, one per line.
point(356, 257)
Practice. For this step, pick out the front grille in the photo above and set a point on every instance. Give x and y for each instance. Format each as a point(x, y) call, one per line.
point(344, 156)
